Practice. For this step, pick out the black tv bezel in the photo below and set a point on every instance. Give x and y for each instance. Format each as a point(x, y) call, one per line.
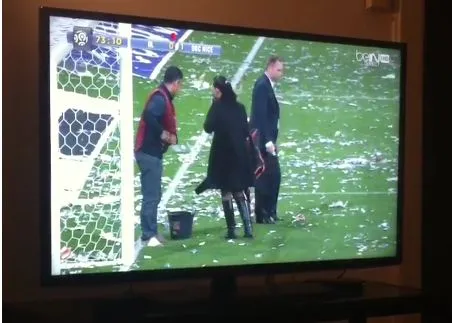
point(47, 279)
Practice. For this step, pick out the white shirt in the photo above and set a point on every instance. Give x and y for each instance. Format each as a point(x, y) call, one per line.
point(271, 82)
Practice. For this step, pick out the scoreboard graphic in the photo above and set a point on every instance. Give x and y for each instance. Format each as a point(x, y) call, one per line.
point(84, 38)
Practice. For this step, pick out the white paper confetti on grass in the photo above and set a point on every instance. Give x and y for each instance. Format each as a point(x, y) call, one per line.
point(288, 144)
point(384, 226)
point(299, 218)
point(389, 76)
point(362, 248)
point(303, 171)
point(338, 204)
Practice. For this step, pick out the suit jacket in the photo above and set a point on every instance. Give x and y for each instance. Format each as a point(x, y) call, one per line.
point(264, 112)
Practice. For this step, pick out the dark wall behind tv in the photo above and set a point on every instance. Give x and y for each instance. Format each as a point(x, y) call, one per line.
point(20, 112)
point(436, 224)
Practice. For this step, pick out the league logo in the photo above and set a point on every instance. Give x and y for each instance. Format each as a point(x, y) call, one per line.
point(82, 38)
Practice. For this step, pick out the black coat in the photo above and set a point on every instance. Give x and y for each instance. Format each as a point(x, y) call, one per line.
point(264, 111)
point(230, 165)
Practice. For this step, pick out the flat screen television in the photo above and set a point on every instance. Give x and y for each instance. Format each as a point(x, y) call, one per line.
point(328, 110)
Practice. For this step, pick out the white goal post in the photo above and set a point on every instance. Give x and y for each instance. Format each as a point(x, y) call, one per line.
point(92, 178)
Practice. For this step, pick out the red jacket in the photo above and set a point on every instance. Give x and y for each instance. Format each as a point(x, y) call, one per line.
point(168, 121)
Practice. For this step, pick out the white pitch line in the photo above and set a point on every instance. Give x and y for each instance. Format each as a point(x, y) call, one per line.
point(337, 193)
point(202, 138)
point(346, 97)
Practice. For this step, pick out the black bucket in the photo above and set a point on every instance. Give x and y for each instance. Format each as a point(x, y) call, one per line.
point(180, 224)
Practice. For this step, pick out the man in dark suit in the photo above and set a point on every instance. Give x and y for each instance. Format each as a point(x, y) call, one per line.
point(265, 118)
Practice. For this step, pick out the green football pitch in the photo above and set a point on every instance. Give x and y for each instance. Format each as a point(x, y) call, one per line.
point(339, 150)
point(339, 157)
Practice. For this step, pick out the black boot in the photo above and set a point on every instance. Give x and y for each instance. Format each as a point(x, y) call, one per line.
point(275, 217)
point(263, 216)
point(246, 218)
point(267, 217)
point(228, 209)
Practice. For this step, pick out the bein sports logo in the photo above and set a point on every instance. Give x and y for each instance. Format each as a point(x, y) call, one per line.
point(371, 59)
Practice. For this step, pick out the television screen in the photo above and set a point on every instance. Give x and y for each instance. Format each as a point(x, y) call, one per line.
point(177, 148)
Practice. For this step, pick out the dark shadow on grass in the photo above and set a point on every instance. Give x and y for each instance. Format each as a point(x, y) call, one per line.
point(212, 231)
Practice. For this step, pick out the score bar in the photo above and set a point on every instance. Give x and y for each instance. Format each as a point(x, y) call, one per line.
point(103, 40)
point(166, 46)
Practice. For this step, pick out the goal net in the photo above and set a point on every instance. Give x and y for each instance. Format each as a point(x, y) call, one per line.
point(92, 156)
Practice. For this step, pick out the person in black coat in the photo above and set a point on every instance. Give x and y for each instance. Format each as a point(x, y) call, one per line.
point(265, 118)
point(230, 167)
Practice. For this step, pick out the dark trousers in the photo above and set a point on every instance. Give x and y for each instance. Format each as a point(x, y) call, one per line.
point(151, 169)
point(267, 190)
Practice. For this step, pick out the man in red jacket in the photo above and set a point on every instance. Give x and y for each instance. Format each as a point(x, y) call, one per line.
point(156, 132)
